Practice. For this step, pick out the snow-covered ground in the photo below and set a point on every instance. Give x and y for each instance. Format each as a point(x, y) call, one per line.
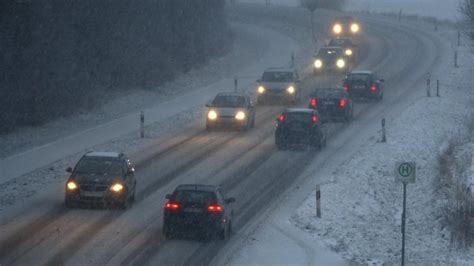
point(362, 208)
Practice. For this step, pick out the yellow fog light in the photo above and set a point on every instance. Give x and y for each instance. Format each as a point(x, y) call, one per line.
point(71, 185)
point(261, 89)
point(355, 27)
point(117, 187)
point(337, 28)
point(318, 63)
point(349, 52)
point(340, 63)
point(212, 115)
point(291, 90)
point(240, 115)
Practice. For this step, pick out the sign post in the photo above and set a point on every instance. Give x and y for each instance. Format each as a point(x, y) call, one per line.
point(405, 172)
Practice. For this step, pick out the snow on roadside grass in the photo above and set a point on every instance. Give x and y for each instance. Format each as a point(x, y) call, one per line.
point(362, 209)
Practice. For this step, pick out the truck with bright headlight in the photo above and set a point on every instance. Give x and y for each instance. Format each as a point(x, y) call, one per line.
point(345, 26)
point(278, 85)
point(347, 45)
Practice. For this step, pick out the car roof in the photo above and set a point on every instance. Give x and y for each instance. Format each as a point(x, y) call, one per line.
point(362, 72)
point(332, 89)
point(197, 187)
point(344, 18)
point(299, 110)
point(103, 154)
point(279, 69)
point(331, 48)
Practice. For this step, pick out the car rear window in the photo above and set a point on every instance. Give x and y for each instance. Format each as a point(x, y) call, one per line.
point(298, 117)
point(328, 93)
point(195, 196)
point(277, 76)
point(361, 77)
point(228, 101)
point(99, 165)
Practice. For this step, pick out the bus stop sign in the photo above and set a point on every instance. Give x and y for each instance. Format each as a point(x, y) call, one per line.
point(405, 172)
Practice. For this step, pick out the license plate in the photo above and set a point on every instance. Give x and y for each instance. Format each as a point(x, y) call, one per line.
point(93, 194)
point(359, 87)
point(328, 103)
point(193, 210)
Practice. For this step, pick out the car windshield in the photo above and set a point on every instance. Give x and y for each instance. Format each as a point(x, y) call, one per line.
point(229, 101)
point(358, 77)
point(339, 42)
point(196, 196)
point(328, 53)
point(99, 165)
point(273, 76)
point(298, 117)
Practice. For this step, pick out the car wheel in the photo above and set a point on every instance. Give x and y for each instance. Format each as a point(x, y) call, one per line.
point(224, 233)
point(69, 204)
point(253, 121)
point(166, 231)
point(208, 127)
point(125, 204)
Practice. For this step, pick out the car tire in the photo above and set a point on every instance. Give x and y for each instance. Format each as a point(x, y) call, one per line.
point(208, 127)
point(166, 231)
point(224, 233)
point(253, 122)
point(69, 204)
point(125, 204)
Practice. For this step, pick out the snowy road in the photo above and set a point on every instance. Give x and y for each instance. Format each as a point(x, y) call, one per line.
point(245, 164)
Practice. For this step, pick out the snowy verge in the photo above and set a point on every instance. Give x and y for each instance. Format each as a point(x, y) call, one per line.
point(362, 208)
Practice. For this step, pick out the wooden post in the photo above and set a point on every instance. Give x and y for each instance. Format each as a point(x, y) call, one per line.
point(428, 87)
point(456, 59)
point(437, 88)
point(236, 86)
point(384, 136)
point(142, 124)
point(318, 201)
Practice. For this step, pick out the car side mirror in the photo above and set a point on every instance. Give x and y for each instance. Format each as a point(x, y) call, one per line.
point(230, 200)
point(168, 196)
point(69, 170)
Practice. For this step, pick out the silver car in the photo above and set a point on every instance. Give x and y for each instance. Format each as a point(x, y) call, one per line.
point(278, 84)
point(230, 110)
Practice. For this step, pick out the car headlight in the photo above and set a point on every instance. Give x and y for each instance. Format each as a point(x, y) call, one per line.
point(318, 63)
point(348, 52)
point(355, 27)
point(71, 185)
point(340, 63)
point(212, 115)
point(240, 115)
point(117, 187)
point(291, 90)
point(261, 89)
point(337, 28)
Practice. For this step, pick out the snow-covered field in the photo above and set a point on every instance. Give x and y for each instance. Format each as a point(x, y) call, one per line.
point(362, 208)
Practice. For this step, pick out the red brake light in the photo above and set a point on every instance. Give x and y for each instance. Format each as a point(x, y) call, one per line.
point(313, 102)
point(373, 87)
point(281, 118)
point(345, 87)
point(170, 205)
point(215, 208)
point(314, 118)
point(342, 103)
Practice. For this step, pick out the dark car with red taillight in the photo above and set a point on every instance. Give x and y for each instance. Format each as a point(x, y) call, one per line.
point(299, 127)
point(332, 104)
point(198, 208)
point(364, 84)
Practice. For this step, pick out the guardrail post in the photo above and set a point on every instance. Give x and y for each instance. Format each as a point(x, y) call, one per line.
point(428, 87)
point(236, 85)
point(292, 59)
point(456, 59)
point(437, 88)
point(142, 124)
point(318, 201)
point(459, 38)
point(384, 136)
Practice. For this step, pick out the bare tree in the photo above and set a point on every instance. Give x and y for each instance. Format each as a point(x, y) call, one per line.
point(466, 8)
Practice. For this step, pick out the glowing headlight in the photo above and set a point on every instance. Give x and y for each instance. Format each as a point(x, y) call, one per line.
point(261, 89)
point(71, 185)
point(240, 115)
point(291, 90)
point(212, 115)
point(318, 63)
point(117, 187)
point(340, 63)
point(355, 27)
point(337, 28)
point(349, 52)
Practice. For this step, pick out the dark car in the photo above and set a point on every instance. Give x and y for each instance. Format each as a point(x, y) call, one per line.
point(105, 178)
point(299, 127)
point(332, 104)
point(349, 47)
point(364, 84)
point(330, 59)
point(231, 109)
point(196, 207)
point(278, 84)
point(345, 26)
